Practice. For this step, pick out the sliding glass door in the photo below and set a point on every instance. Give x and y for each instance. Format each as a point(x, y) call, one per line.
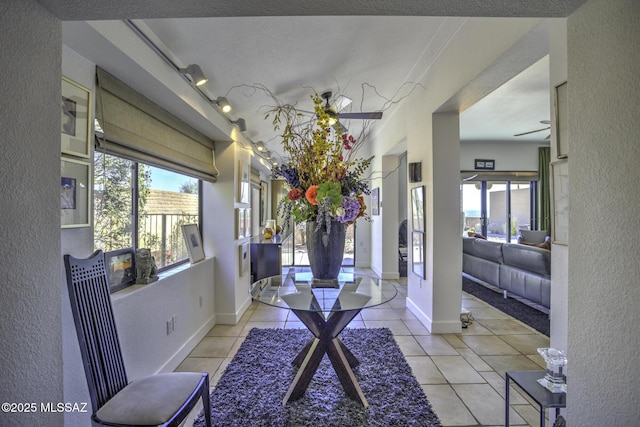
point(497, 209)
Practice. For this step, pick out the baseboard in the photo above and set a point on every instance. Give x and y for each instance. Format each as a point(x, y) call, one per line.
point(440, 327)
point(233, 318)
point(188, 346)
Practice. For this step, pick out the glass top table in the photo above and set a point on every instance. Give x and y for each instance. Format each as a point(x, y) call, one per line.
point(325, 308)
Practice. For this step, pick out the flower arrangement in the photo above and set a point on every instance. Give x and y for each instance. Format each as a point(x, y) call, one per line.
point(324, 175)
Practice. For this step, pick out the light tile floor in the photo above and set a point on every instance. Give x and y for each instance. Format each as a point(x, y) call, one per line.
point(461, 374)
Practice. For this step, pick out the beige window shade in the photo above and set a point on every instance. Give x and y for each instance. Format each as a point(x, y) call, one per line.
point(140, 130)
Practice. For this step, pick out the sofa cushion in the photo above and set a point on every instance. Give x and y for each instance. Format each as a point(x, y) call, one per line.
point(528, 258)
point(491, 251)
point(487, 271)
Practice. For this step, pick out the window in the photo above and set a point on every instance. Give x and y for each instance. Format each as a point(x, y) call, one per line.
point(498, 209)
point(142, 206)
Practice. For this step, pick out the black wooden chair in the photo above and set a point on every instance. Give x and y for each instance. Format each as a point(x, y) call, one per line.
point(157, 400)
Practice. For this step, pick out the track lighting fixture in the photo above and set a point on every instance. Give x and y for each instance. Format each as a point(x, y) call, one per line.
point(223, 103)
point(260, 146)
point(195, 72)
point(242, 125)
point(267, 154)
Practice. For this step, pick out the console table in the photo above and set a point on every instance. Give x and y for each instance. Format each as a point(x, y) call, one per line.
point(325, 311)
point(528, 381)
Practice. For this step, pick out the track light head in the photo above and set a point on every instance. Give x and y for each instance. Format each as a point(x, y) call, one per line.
point(242, 125)
point(224, 104)
point(195, 72)
point(260, 146)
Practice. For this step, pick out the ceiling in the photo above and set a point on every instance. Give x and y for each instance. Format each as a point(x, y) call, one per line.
point(366, 58)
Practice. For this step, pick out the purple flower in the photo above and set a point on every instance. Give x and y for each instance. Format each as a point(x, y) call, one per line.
point(349, 210)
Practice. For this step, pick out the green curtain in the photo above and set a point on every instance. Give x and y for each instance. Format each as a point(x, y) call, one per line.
point(544, 194)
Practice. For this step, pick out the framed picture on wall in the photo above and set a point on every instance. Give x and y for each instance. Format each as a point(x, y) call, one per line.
point(375, 201)
point(263, 202)
point(243, 258)
point(243, 182)
point(418, 254)
point(240, 223)
point(560, 202)
point(75, 119)
point(75, 193)
point(417, 209)
point(560, 107)
point(193, 241)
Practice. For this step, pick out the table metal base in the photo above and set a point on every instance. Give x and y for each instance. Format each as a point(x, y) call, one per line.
point(325, 340)
point(528, 382)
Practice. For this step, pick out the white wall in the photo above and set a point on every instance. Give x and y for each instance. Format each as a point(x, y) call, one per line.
point(30, 293)
point(465, 56)
point(559, 253)
point(508, 156)
point(604, 198)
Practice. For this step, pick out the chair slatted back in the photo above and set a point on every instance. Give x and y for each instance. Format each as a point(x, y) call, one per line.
point(96, 328)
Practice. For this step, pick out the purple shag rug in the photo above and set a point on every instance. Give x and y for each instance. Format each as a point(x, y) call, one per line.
point(251, 389)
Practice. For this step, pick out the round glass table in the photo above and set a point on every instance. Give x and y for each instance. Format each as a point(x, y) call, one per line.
point(325, 308)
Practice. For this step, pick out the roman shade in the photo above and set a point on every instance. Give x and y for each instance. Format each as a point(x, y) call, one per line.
point(138, 129)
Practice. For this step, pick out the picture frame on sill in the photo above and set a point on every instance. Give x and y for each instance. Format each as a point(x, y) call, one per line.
point(193, 242)
point(121, 268)
point(75, 193)
point(75, 119)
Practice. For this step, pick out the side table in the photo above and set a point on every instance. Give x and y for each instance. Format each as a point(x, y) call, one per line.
point(528, 381)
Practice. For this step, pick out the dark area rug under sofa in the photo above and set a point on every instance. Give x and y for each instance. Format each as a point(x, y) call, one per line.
point(514, 308)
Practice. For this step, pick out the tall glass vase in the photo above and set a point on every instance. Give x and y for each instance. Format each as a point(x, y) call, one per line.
point(325, 250)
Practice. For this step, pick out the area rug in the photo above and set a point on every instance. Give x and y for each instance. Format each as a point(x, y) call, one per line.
point(251, 389)
point(514, 308)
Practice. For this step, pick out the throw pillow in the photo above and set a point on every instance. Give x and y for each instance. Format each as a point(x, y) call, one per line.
point(478, 235)
point(545, 245)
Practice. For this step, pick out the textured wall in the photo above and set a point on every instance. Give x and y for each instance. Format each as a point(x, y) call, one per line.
point(604, 273)
point(30, 293)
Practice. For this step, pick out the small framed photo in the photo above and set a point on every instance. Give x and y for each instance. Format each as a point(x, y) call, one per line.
point(121, 268)
point(75, 119)
point(562, 133)
point(375, 201)
point(75, 193)
point(193, 241)
point(484, 164)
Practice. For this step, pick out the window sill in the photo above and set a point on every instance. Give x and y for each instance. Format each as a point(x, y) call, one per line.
point(162, 277)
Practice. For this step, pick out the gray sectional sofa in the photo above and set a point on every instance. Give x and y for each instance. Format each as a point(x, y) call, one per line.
point(521, 270)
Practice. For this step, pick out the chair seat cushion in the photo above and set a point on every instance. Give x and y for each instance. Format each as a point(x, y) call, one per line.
point(151, 400)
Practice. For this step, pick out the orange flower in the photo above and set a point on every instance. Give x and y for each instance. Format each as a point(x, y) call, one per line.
point(311, 194)
point(363, 207)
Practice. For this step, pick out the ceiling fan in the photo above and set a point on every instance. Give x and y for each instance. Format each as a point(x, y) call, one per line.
point(544, 122)
point(340, 103)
